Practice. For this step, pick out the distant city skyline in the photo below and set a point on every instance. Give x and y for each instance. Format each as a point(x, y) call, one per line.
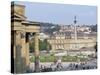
point(60, 13)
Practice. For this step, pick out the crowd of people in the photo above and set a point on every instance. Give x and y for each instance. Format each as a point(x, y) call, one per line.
point(81, 66)
point(58, 65)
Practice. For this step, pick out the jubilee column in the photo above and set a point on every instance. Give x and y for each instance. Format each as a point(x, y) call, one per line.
point(76, 44)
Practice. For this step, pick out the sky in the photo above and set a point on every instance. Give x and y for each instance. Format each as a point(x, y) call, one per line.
point(60, 13)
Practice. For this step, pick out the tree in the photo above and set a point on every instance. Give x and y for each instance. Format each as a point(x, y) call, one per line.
point(31, 47)
point(43, 45)
point(94, 28)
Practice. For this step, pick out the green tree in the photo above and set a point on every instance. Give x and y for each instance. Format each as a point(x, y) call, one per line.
point(31, 47)
point(43, 45)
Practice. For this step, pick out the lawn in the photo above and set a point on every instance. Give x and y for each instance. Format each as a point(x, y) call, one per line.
point(51, 58)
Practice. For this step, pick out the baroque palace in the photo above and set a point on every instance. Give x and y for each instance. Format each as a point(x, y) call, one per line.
point(73, 38)
point(66, 41)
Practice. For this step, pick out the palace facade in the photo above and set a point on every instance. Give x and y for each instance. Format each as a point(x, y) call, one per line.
point(66, 41)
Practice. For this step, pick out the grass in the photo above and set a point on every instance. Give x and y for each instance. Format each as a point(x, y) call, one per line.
point(51, 58)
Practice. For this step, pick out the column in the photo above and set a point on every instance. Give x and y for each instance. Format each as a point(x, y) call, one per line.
point(75, 25)
point(24, 51)
point(12, 51)
point(17, 52)
point(14, 39)
point(27, 51)
point(36, 47)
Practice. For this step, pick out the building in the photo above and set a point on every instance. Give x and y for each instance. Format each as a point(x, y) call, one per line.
point(70, 28)
point(65, 41)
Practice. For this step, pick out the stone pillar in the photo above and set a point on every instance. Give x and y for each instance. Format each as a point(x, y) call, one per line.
point(17, 52)
point(21, 52)
point(13, 44)
point(12, 51)
point(36, 47)
point(27, 51)
point(24, 51)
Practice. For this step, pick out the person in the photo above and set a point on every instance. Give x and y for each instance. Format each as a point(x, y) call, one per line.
point(59, 61)
point(54, 65)
point(59, 64)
